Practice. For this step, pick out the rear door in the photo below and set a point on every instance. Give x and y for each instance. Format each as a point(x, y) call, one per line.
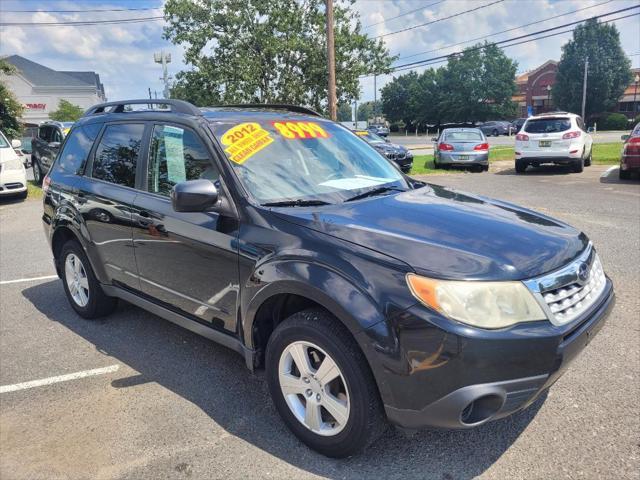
point(105, 196)
point(51, 148)
point(186, 260)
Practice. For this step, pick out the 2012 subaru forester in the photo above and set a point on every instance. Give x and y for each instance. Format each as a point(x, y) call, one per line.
point(368, 297)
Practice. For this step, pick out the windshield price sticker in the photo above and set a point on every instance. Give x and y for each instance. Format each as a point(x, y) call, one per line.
point(362, 134)
point(300, 130)
point(245, 140)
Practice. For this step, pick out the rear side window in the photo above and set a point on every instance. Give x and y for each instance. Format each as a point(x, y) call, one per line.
point(77, 147)
point(45, 133)
point(547, 125)
point(117, 154)
point(177, 155)
point(56, 135)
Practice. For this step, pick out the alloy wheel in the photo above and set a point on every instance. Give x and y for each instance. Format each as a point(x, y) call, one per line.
point(77, 281)
point(314, 388)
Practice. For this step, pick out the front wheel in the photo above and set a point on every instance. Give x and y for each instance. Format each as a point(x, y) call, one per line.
point(322, 386)
point(495, 132)
point(624, 174)
point(587, 162)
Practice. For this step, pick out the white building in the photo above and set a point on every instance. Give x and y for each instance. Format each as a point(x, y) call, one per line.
point(40, 88)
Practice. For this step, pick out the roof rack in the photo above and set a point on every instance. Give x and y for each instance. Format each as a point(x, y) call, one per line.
point(177, 106)
point(276, 106)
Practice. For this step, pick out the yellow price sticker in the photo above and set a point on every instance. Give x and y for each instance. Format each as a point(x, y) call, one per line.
point(362, 134)
point(300, 130)
point(245, 140)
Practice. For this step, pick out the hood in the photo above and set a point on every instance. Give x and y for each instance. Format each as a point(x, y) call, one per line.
point(7, 154)
point(443, 233)
point(390, 147)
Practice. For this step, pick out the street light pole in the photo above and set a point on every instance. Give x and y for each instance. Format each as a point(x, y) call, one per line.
point(635, 92)
point(331, 62)
point(584, 86)
point(549, 97)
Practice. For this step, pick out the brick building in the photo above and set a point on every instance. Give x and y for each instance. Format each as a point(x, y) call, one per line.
point(534, 92)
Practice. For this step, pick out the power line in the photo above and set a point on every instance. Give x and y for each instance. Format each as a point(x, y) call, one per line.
point(505, 31)
point(439, 19)
point(83, 11)
point(444, 58)
point(80, 23)
point(402, 14)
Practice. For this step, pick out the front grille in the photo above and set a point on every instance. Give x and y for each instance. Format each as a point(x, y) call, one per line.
point(391, 155)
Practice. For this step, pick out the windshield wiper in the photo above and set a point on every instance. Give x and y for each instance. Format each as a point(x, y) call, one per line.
point(373, 192)
point(296, 203)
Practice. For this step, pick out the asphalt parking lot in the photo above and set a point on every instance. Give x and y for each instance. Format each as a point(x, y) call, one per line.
point(166, 403)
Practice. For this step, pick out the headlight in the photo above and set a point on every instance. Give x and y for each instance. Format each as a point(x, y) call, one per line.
point(409, 154)
point(481, 304)
point(15, 164)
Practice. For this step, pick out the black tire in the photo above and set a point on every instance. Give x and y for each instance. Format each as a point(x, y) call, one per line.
point(366, 421)
point(98, 304)
point(436, 165)
point(624, 174)
point(37, 172)
point(587, 162)
point(521, 166)
point(578, 166)
point(485, 168)
point(495, 133)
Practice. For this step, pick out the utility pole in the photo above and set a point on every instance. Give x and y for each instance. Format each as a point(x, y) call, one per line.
point(331, 62)
point(164, 58)
point(375, 99)
point(584, 86)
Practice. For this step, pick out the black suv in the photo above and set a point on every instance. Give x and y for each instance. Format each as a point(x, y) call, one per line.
point(45, 147)
point(367, 297)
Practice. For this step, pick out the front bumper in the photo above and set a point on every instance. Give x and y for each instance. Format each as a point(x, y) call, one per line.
point(461, 377)
point(12, 182)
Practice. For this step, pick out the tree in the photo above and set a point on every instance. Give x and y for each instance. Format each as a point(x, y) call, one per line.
point(366, 111)
point(478, 84)
point(268, 51)
point(66, 112)
point(345, 112)
point(396, 98)
point(609, 70)
point(10, 108)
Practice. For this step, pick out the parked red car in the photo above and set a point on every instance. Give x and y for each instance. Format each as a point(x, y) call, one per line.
point(630, 158)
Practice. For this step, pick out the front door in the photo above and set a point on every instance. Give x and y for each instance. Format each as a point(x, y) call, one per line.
point(187, 261)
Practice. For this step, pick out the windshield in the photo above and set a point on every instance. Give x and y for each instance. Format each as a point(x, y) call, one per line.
point(547, 125)
point(281, 159)
point(463, 137)
point(370, 136)
point(4, 143)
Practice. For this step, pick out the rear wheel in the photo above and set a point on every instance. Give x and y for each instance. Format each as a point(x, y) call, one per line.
point(578, 166)
point(37, 172)
point(624, 174)
point(321, 385)
point(81, 285)
point(521, 166)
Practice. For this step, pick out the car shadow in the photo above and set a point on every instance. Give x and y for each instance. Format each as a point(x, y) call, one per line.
point(216, 380)
point(542, 170)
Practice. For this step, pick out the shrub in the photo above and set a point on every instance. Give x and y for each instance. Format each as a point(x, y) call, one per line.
point(614, 121)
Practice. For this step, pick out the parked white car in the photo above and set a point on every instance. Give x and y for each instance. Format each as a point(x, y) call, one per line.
point(13, 176)
point(556, 137)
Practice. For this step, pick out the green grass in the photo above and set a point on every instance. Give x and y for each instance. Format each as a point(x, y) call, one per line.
point(34, 190)
point(423, 164)
point(607, 153)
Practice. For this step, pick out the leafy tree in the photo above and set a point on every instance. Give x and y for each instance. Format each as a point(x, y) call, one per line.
point(397, 97)
point(10, 108)
point(609, 70)
point(345, 112)
point(367, 110)
point(268, 51)
point(478, 84)
point(66, 112)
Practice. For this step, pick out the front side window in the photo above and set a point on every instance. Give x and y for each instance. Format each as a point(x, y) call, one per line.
point(77, 148)
point(547, 125)
point(117, 154)
point(4, 143)
point(283, 159)
point(57, 135)
point(45, 134)
point(177, 155)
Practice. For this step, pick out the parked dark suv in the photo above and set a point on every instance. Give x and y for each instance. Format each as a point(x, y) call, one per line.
point(365, 295)
point(45, 147)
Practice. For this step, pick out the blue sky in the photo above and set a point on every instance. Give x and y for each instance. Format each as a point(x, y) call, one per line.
point(123, 54)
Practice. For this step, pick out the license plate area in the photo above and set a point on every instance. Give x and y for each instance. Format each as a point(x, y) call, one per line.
point(544, 143)
point(463, 157)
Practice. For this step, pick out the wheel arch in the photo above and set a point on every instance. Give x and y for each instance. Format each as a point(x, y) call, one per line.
point(64, 230)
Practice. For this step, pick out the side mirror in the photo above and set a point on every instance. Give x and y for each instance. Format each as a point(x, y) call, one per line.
point(15, 143)
point(194, 196)
point(624, 138)
point(25, 151)
point(54, 144)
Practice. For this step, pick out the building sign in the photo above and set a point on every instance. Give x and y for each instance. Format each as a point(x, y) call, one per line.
point(35, 106)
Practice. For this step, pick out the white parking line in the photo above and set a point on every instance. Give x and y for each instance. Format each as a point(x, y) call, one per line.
point(33, 279)
point(61, 378)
